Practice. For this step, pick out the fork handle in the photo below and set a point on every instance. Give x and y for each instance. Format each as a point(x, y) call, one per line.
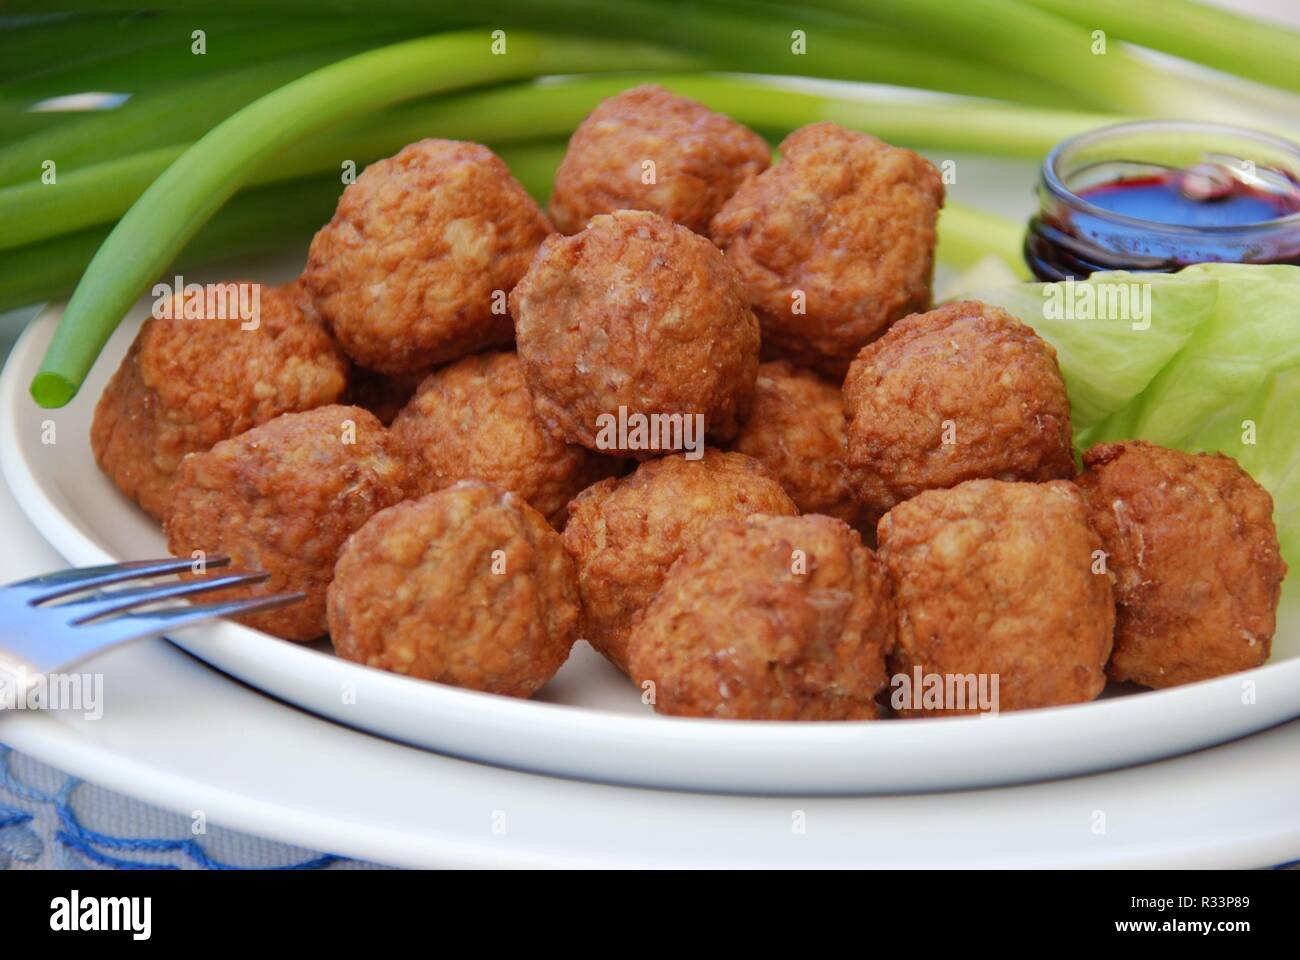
point(17, 676)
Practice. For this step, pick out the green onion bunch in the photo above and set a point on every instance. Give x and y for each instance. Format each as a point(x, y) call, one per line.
point(226, 125)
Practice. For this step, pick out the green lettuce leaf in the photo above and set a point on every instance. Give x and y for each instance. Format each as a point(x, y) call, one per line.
point(1218, 369)
point(1235, 387)
point(1112, 333)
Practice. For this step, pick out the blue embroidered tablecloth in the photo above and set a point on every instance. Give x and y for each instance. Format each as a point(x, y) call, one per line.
point(51, 820)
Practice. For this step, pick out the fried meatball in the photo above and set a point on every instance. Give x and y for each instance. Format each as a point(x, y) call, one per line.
point(468, 586)
point(1191, 542)
point(381, 394)
point(834, 243)
point(414, 268)
point(625, 533)
point(635, 320)
point(474, 420)
point(189, 382)
point(768, 618)
point(699, 159)
point(963, 392)
point(283, 498)
point(796, 429)
point(999, 580)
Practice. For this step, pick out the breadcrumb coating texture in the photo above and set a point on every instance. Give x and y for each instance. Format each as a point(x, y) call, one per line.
point(474, 420)
point(833, 243)
point(649, 149)
point(1198, 574)
point(625, 533)
point(282, 498)
point(186, 384)
point(414, 267)
point(1000, 579)
point(963, 392)
point(768, 618)
point(467, 586)
point(637, 316)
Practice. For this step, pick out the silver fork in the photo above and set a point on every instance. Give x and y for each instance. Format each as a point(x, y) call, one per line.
point(39, 635)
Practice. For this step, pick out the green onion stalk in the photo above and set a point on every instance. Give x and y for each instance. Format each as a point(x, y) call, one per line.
point(730, 42)
point(757, 39)
point(1264, 52)
point(166, 69)
point(755, 42)
point(228, 42)
point(268, 218)
point(968, 236)
point(83, 40)
point(530, 111)
point(256, 222)
point(1097, 69)
point(1025, 45)
point(159, 119)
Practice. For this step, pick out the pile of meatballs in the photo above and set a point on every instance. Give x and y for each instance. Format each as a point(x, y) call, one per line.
point(411, 437)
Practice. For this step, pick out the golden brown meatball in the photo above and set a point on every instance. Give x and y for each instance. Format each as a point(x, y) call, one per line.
point(474, 420)
point(468, 586)
point(834, 243)
point(282, 498)
point(768, 618)
point(963, 392)
point(796, 429)
point(625, 533)
point(187, 383)
point(414, 268)
point(1191, 542)
point(648, 149)
point(635, 320)
point(997, 580)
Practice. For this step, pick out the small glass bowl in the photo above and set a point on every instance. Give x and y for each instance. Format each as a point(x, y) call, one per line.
point(1071, 237)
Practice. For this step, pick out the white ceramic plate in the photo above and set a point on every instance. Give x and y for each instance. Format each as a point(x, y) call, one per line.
point(182, 736)
point(589, 721)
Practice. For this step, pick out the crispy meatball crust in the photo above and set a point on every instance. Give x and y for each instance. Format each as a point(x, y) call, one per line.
point(1191, 542)
point(474, 420)
point(998, 578)
point(844, 219)
point(468, 586)
point(625, 533)
point(186, 384)
point(795, 428)
point(283, 497)
point(768, 618)
point(634, 313)
point(965, 373)
point(413, 268)
point(700, 158)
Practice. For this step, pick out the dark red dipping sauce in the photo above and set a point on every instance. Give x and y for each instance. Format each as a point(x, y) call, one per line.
point(1180, 198)
point(1142, 215)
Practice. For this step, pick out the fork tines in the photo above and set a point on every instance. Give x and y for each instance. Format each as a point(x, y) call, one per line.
point(79, 579)
point(121, 609)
